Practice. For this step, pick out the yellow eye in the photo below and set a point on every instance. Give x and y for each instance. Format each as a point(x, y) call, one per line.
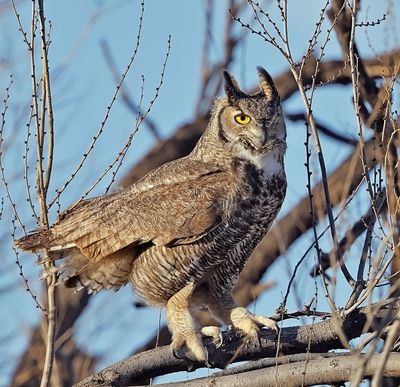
point(242, 119)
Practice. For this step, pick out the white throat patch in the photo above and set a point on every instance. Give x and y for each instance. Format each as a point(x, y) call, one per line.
point(269, 164)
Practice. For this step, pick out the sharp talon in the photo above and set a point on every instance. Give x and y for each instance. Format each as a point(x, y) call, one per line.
point(253, 341)
point(189, 348)
point(250, 323)
point(215, 333)
point(221, 340)
point(176, 353)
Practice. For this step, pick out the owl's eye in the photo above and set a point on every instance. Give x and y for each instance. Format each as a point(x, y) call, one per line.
point(242, 119)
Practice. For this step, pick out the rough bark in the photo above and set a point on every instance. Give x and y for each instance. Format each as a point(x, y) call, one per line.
point(314, 338)
point(332, 370)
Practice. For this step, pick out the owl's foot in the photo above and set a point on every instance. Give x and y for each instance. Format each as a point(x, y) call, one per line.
point(189, 346)
point(213, 332)
point(250, 323)
point(186, 333)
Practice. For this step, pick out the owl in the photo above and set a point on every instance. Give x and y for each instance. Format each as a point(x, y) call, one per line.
point(182, 234)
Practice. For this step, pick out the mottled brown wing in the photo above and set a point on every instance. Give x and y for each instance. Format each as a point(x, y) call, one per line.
point(166, 214)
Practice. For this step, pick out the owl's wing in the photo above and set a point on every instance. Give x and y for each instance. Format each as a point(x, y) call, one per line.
point(166, 214)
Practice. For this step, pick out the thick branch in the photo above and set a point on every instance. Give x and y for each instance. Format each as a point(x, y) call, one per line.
point(319, 337)
point(331, 370)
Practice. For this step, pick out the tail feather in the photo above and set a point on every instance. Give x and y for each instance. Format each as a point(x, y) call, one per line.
point(43, 240)
point(77, 270)
point(35, 241)
point(111, 272)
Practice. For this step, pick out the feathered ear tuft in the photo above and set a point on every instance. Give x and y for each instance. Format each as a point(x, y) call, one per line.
point(266, 83)
point(231, 86)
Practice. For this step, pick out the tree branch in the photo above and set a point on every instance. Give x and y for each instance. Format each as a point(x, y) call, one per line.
point(332, 370)
point(323, 129)
point(318, 337)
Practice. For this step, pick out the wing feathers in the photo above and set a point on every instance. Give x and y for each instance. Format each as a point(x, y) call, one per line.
point(177, 212)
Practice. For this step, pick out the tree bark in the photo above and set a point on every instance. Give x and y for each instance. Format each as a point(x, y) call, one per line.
point(332, 370)
point(314, 338)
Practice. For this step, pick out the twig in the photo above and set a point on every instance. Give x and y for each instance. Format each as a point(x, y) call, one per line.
point(360, 284)
point(43, 185)
point(323, 129)
point(392, 336)
point(108, 110)
point(139, 120)
point(286, 52)
point(126, 97)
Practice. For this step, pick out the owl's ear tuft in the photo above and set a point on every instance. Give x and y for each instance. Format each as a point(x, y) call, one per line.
point(266, 83)
point(231, 86)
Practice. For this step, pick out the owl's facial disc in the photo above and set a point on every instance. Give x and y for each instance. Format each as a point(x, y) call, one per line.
point(241, 130)
point(251, 124)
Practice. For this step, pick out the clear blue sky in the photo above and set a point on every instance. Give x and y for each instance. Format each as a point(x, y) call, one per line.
point(82, 89)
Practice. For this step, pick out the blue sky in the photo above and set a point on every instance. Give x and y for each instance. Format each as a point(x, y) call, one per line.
point(82, 89)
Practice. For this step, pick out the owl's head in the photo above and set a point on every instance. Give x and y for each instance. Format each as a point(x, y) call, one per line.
point(249, 125)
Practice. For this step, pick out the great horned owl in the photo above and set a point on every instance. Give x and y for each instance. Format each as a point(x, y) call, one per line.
point(182, 234)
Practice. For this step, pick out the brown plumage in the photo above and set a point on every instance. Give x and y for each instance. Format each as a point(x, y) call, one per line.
point(182, 234)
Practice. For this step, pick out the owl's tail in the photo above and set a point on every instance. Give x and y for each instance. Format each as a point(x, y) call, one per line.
point(112, 272)
point(79, 272)
point(44, 240)
point(76, 270)
point(38, 240)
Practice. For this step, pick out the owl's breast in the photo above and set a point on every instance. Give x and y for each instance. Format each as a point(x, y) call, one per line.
point(161, 271)
point(262, 199)
point(250, 221)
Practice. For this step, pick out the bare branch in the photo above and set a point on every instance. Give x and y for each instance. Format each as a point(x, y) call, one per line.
point(318, 337)
point(332, 370)
point(323, 129)
point(126, 97)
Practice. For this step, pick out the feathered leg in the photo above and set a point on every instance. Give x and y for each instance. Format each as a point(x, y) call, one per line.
point(184, 328)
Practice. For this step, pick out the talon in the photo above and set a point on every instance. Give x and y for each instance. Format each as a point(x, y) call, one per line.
point(249, 323)
point(215, 333)
point(265, 322)
point(176, 354)
point(177, 349)
point(253, 341)
point(220, 342)
point(277, 329)
point(189, 347)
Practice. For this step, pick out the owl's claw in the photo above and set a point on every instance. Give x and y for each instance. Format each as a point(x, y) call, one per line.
point(189, 347)
point(215, 333)
point(250, 323)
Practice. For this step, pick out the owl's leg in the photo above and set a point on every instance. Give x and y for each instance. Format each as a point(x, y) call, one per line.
point(200, 299)
point(184, 328)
